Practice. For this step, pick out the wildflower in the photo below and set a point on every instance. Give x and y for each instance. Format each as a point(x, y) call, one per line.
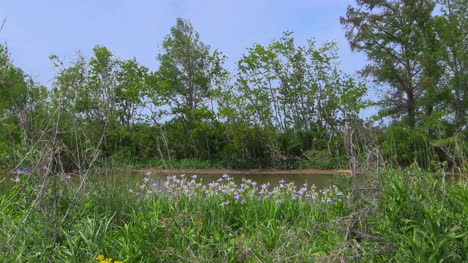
point(254, 183)
point(18, 172)
point(238, 197)
point(282, 181)
point(248, 181)
point(225, 176)
point(171, 178)
point(148, 173)
point(15, 180)
point(220, 180)
point(225, 203)
point(194, 176)
point(339, 193)
point(264, 186)
point(154, 184)
point(279, 201)
point(130, 190)
point(302, 191)
point(100, 257)
point(146, 179)
point(213, 185)
point(328, 200)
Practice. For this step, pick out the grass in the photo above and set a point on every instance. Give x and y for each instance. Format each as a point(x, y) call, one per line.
point(399, 216)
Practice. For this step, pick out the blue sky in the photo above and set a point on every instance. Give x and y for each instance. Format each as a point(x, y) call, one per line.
point(36, 29)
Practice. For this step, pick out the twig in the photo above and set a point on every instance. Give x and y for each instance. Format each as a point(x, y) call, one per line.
point(3, 24)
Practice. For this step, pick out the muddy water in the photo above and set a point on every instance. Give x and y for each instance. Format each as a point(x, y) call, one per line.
point(130, 178)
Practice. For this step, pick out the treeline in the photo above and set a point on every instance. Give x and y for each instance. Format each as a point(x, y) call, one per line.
point(286, 105)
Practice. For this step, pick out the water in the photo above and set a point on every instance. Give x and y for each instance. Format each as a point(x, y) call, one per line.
point(129, 178)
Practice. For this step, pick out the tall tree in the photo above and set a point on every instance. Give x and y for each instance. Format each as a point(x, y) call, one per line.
point(452, 32)
point(21, 102)
point(295, 87)
point(131, 85)
point(393, 35)
point(189, 71)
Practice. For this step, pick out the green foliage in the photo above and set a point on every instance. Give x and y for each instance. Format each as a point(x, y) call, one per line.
point(421, 218)
point(288, 106)
point(189, 72)
point(413, 216)
point(406, 146)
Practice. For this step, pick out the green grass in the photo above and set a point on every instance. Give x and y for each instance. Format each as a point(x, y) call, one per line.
point(399, 216)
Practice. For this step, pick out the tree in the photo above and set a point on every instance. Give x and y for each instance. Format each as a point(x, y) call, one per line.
point(452, 32)
point(295, 94)
point(189, 72)
point(22, 105)
point(13, 86)
point(393, 35)
point(130, 89)
point(295, 87)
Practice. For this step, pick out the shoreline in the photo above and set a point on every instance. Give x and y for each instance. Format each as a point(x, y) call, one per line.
point(245, 171)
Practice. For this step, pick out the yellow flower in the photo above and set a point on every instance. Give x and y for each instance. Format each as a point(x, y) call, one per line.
point(100, 257)
point(118, 261)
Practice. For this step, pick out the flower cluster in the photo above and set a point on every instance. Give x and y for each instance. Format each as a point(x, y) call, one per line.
point(103, 259)
point(228, 192)
point(18, 174)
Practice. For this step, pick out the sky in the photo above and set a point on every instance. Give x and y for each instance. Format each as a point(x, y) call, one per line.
point(136, 28)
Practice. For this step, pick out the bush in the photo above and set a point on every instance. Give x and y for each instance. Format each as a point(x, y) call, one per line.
point(405, 146)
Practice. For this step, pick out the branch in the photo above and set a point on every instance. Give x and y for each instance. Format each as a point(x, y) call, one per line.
point(3, 24)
